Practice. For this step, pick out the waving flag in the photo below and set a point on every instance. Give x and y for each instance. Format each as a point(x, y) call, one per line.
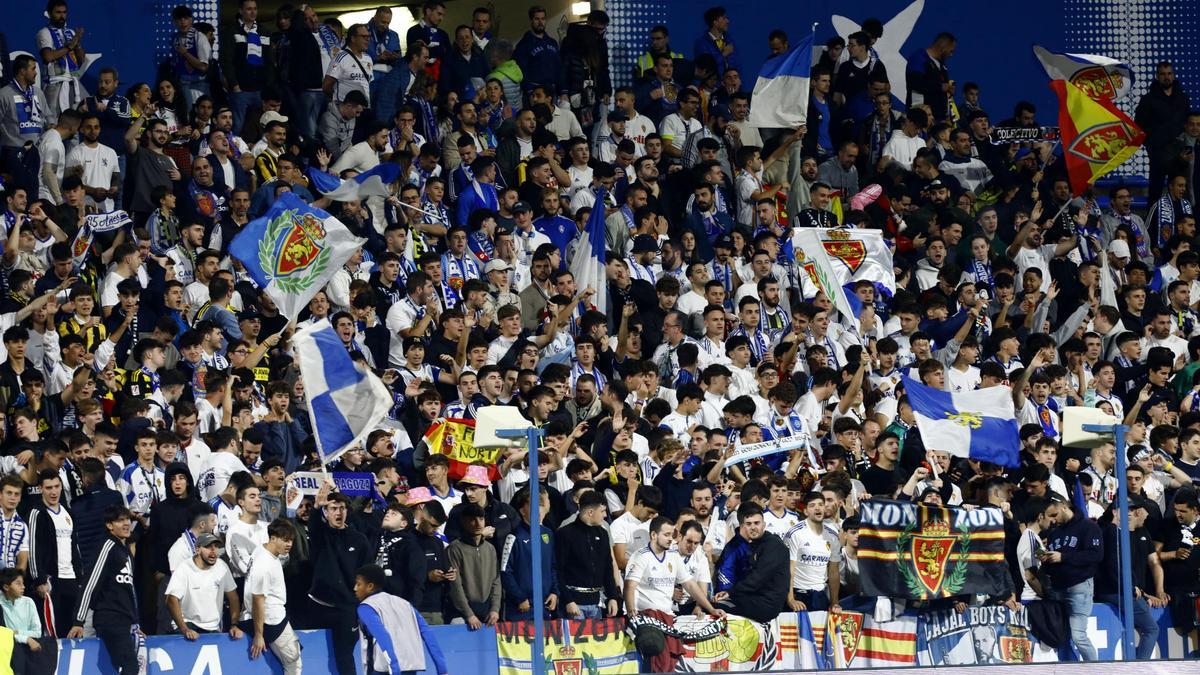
point(588, 264)
point(1100, 77)
point(815, 259)
point(293, 251)
point(345, 400)
point(979, 424)
point(370, 183)
point(780, 98)
point(1096, 136)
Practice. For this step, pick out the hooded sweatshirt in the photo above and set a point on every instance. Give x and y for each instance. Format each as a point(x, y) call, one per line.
point(171, 516)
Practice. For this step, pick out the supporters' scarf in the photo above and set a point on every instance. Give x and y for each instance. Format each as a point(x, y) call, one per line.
point(96, 222)
point(328, 39)
point(1167, 217)
point(881, 133)
point(698, 634)
point(253, 46)
point(712, 227)
point(1045, 413)
point(724, 274)
point(1185, 319)
point(186, 39)
point(31, 122)
point(429, 120)
point(1139, 233)
point(1085, 243)
point(982, 273)
point(60, 37)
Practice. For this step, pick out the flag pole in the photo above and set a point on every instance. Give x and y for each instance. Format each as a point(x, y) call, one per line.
point(428, 213)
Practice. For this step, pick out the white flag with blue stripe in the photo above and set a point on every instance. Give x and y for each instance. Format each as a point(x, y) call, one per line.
point(780, 99)
point(345, 400)
point(374, 182)
point(979, 424)
point(588, 265)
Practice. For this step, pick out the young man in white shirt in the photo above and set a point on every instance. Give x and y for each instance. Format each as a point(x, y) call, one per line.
point(96, 165)
point(142, 483)
point(778, 517)
point(222, 463)
point(1027, 249)
point(265, 608)
point(816, 556)
point(962, 376)
point(198, 590)
point(686, 414)
point(630, 532)
point(654, 571)
point(245, 534)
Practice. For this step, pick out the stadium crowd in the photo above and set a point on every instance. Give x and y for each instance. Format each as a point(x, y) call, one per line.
point(152, 413)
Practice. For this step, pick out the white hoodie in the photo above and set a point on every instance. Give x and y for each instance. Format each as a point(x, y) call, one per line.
point(902, 148)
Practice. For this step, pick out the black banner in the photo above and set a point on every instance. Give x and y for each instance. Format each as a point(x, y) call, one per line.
point(1005, 135)
point(921, 552)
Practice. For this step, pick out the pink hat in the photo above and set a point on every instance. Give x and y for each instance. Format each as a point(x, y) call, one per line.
point(868, 196)
point(476, 475)
point(418, 495)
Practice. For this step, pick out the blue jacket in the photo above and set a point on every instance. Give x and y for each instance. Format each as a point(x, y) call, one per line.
point(736, 560)
point(539, 60)
point(1082, 549)
point(283, 442)
point(516, 565)
point(705, 44)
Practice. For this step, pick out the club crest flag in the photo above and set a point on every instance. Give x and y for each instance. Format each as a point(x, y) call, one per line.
point(1100, 77)
point(923, 552)
point(1097, 137)
point(293, 251)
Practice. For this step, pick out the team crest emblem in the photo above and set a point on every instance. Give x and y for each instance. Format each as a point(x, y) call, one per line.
point(850, 251)
point(293, 252)
point(928, 561)
point(1097, 82)
point(80, 246)
point(845, 628)
point(1101, 143)
point(1014, 649)
point(206, 203)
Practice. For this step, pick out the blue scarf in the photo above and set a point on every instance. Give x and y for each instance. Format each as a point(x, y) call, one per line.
point(329, 40)
point(253, 46)
point(60, 37)
point(1139, 233)
point(186, 39)
point(1167, 217)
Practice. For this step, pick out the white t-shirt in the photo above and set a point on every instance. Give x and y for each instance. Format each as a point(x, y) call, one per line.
point(54, 153)
point(1040, 258)
point(656, 578)
point(350, 76)
point(242, 539)
point(63, 527)
point(1025, 550)
point(811, 553)
point(265, 578)
point(674, 129)
point(958, 381)
point(99, 167)
point(183, 548)
point(746, 185)
point(402, 315)
point(201, 593)
point(631, 532)
point(780, 526)
point(221, 465)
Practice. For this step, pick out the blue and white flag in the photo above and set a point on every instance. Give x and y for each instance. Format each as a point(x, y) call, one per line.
point(780, 98)
point(979, 424)
point(345, 400)
point(293, 251)
point(1100, 77)
point(373, 182)
point(588, 265)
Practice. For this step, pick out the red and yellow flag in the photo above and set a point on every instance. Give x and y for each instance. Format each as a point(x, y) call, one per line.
point(1097, 136)
point(455, 438)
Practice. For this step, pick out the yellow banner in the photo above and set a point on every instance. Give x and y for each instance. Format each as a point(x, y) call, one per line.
point(590, 647)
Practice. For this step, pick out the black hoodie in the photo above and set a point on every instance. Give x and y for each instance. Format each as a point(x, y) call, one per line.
point(171, 516)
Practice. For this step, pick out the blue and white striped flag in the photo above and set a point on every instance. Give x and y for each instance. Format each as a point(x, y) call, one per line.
point(373, 182)
point(979, 424)
point(293, 251)
point(588, 265)
point(345, 400)
point(780, 99)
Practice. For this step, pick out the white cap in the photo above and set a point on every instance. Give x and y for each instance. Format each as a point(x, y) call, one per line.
point(1119, 248)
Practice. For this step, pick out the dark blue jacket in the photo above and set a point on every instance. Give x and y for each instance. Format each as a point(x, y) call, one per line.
point(705, 44)
point(516, 565)
point(539, 60)
point(283, 441)
point(88, 510)
point(1082, 549)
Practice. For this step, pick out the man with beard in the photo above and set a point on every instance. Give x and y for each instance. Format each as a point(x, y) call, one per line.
point(229, 166)
point(1028, 250)
point(637, 125)
point(925, 166)
point(1170, 209)
point(208, 198)
point(817, 214)
point(111, 108)
point(468, 118)
point(1120, 214)
point(149, 167)
point(61, 50)
point(232, 221)
point(705, 221)
point(96, 164)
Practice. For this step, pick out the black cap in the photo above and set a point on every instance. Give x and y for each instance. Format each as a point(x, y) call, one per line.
point(644, 243)
point(522, 207)
point(249, 314)
point(724, 241)
point(617, 116)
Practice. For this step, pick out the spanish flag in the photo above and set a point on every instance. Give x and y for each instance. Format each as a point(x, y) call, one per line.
point(1096, 136)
